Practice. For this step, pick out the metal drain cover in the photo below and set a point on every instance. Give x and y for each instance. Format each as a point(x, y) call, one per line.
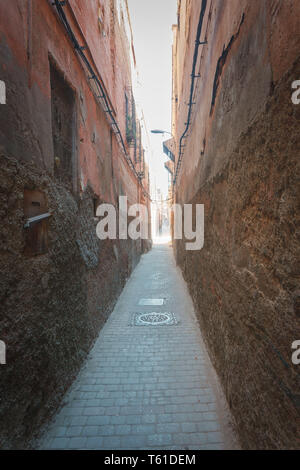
point(154, 318)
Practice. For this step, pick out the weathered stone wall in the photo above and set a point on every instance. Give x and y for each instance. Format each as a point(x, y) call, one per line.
point(53, 305)
point(54, 300)
point(242, 162)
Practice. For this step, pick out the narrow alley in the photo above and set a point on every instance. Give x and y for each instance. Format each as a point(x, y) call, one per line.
point(148, 382)
point(149, 236)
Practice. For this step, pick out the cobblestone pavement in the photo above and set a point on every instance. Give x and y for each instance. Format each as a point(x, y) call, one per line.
point(146, 386)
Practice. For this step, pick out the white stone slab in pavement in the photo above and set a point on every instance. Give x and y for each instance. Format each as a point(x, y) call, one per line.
point(151, 302)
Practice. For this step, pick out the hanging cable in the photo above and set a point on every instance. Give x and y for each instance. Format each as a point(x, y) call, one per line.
point(101, 93)
point(194, 76)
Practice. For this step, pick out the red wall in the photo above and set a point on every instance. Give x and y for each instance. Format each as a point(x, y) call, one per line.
point(55, 303)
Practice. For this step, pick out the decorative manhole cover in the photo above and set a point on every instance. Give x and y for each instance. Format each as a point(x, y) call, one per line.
point(154, 318)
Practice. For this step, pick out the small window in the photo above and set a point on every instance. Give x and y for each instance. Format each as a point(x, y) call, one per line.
point(62, 107)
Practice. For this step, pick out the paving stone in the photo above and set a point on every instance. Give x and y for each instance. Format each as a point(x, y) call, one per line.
point(94, 402)
point(143, 429)
point(209, 447)
point(74, 411)
point(121, 401)
point(210, 416)
point(59, 443)
point(168, 428)
point(77, 443)
point(106, 430)
point(98, 420)
point(159, 440)
point(112, 410)
point(214, 437)
point(189, 427)
point(148, 419)
point(91, 431)
point(137, 442)
point(93, 411)
point(78, 420)
point(58, 431)
point(189, 438)
point(73, 431)
point(94, 443)
point(123, 429)
point(117, 419)
point(111, 442)
point(206, 426)
point(133, 419)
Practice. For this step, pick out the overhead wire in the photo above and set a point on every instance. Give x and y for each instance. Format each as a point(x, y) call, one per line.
point(102, 95)
point(193, 77)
